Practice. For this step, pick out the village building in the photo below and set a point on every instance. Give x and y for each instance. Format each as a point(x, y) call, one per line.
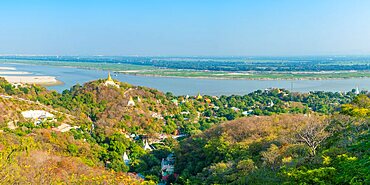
point(184, 112)
point(65, 128)
point(156, 115)
point(175, 101)
point(246, 113)
point(168, 167)
point(38, 116)
point(18, 85)
point(235, 109)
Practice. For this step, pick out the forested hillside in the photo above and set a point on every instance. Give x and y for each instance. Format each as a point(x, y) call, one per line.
point(120, 134)
point(291, 149)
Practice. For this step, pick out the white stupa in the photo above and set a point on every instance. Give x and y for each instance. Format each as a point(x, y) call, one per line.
point(357, 91)
point(131, 102)
point(271, 104)
point(146, 146)
point(125, 158)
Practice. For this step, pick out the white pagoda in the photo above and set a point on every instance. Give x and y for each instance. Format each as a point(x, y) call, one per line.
point(357, 91)
point(147, 146)
point(125, 158)
point(131, 102)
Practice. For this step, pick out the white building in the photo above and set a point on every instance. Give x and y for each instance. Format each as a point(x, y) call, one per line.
point(36, 114)
point(156, 115)
point(235, 109)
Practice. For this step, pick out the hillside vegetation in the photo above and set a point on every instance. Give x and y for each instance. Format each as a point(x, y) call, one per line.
point(291, 149)
point(265, 137)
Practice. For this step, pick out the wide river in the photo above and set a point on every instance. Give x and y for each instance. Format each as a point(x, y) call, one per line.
point(191, 86)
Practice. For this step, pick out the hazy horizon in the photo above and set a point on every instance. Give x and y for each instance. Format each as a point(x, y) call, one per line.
point(191, 28)
point(190, 56)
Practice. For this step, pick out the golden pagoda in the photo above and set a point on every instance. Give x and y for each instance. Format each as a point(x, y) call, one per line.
point(199, 97)
point(109, 77)
point(110, 81)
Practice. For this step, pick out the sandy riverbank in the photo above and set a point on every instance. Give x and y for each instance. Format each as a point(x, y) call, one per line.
point(41, 80)
point(7, 68)
point(14, 73)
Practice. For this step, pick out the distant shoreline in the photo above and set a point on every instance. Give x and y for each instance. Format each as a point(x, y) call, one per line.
point(239, 78)
point(215, 75)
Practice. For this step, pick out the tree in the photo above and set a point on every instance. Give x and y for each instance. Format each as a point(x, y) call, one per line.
point(313, 134)
point(271, 156)
point(245, 166)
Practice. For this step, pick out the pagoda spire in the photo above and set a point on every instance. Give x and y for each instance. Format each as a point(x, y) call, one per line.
point(199, 97)
point(109, 77)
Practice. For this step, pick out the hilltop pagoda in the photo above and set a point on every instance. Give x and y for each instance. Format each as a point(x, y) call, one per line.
point(357, 91)
point(199, 97)
point(110, 82)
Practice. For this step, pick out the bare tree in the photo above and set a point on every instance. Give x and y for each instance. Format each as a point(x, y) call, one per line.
point(313, 134)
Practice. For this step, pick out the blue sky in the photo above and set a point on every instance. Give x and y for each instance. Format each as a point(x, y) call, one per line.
point(187, 27)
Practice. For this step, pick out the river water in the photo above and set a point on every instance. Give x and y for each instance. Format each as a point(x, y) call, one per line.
point(182, 86)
